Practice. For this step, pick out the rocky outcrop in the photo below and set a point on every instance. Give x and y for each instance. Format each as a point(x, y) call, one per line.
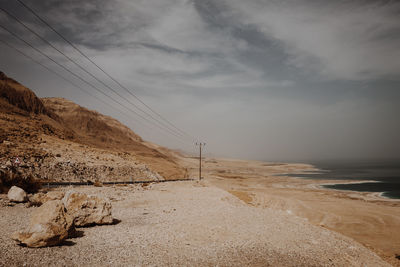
point(49, 226)
point(87, 209)
point(16, 194)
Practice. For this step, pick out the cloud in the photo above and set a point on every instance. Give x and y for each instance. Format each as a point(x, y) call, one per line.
point(354, 40)
point(172, 43)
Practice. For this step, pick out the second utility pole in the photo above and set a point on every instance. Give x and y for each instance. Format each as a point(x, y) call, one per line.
point(200, 145)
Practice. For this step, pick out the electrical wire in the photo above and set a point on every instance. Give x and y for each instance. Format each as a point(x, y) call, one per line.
point(86, 71)
point(80, 78)
point(100, 68)
point(72, 83)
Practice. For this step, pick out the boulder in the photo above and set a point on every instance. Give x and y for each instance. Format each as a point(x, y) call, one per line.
point(49, 226)
point(87, 209)
point(16, 194)
point(41, 198)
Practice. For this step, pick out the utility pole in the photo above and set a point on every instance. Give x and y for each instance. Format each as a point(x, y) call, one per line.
point(200, 145)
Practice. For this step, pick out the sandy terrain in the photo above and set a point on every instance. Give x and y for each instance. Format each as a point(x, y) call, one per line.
point(371, 220)
point(187, 224)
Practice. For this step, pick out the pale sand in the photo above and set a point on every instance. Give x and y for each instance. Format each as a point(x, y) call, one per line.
point(366, 217)
point(187, 224)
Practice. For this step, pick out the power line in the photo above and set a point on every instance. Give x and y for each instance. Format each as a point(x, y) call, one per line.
point(60, 76)
point(82, 68)
point(52, 71)
point(101, 69)
point(78, 65)
point(69, 81)
point(88, 83)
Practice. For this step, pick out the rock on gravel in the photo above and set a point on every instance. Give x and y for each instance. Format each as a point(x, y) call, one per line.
point(17, 194)
point(87, 209)
point(41, 198)
point(49, 226)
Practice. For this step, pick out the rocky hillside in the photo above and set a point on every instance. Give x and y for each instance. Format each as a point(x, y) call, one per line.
point(58, 140)
point(15, 96)
point(91, 126)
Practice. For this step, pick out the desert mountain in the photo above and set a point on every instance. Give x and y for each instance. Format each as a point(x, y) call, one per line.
point(58, 140)
point(91, 126)
point(100, 131)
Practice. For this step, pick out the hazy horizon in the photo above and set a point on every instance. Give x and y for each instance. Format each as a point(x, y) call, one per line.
point(271, 80)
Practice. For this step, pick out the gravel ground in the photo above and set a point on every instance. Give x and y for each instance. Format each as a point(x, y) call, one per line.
point(186, 224)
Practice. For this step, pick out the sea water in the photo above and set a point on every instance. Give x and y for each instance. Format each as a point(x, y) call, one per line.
point(374, 176)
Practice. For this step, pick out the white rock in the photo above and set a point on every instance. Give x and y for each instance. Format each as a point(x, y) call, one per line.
point(16, 194)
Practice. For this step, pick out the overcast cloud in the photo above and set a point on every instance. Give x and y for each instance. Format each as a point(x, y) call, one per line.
point(269, 80)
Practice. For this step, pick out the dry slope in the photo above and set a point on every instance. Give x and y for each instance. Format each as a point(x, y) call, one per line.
point(104, 132)
point(59, 140)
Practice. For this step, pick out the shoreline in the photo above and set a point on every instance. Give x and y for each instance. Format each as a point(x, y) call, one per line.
point(316, 170)
point(376, 194)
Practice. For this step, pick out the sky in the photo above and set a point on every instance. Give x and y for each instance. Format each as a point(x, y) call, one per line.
point(266, 80)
